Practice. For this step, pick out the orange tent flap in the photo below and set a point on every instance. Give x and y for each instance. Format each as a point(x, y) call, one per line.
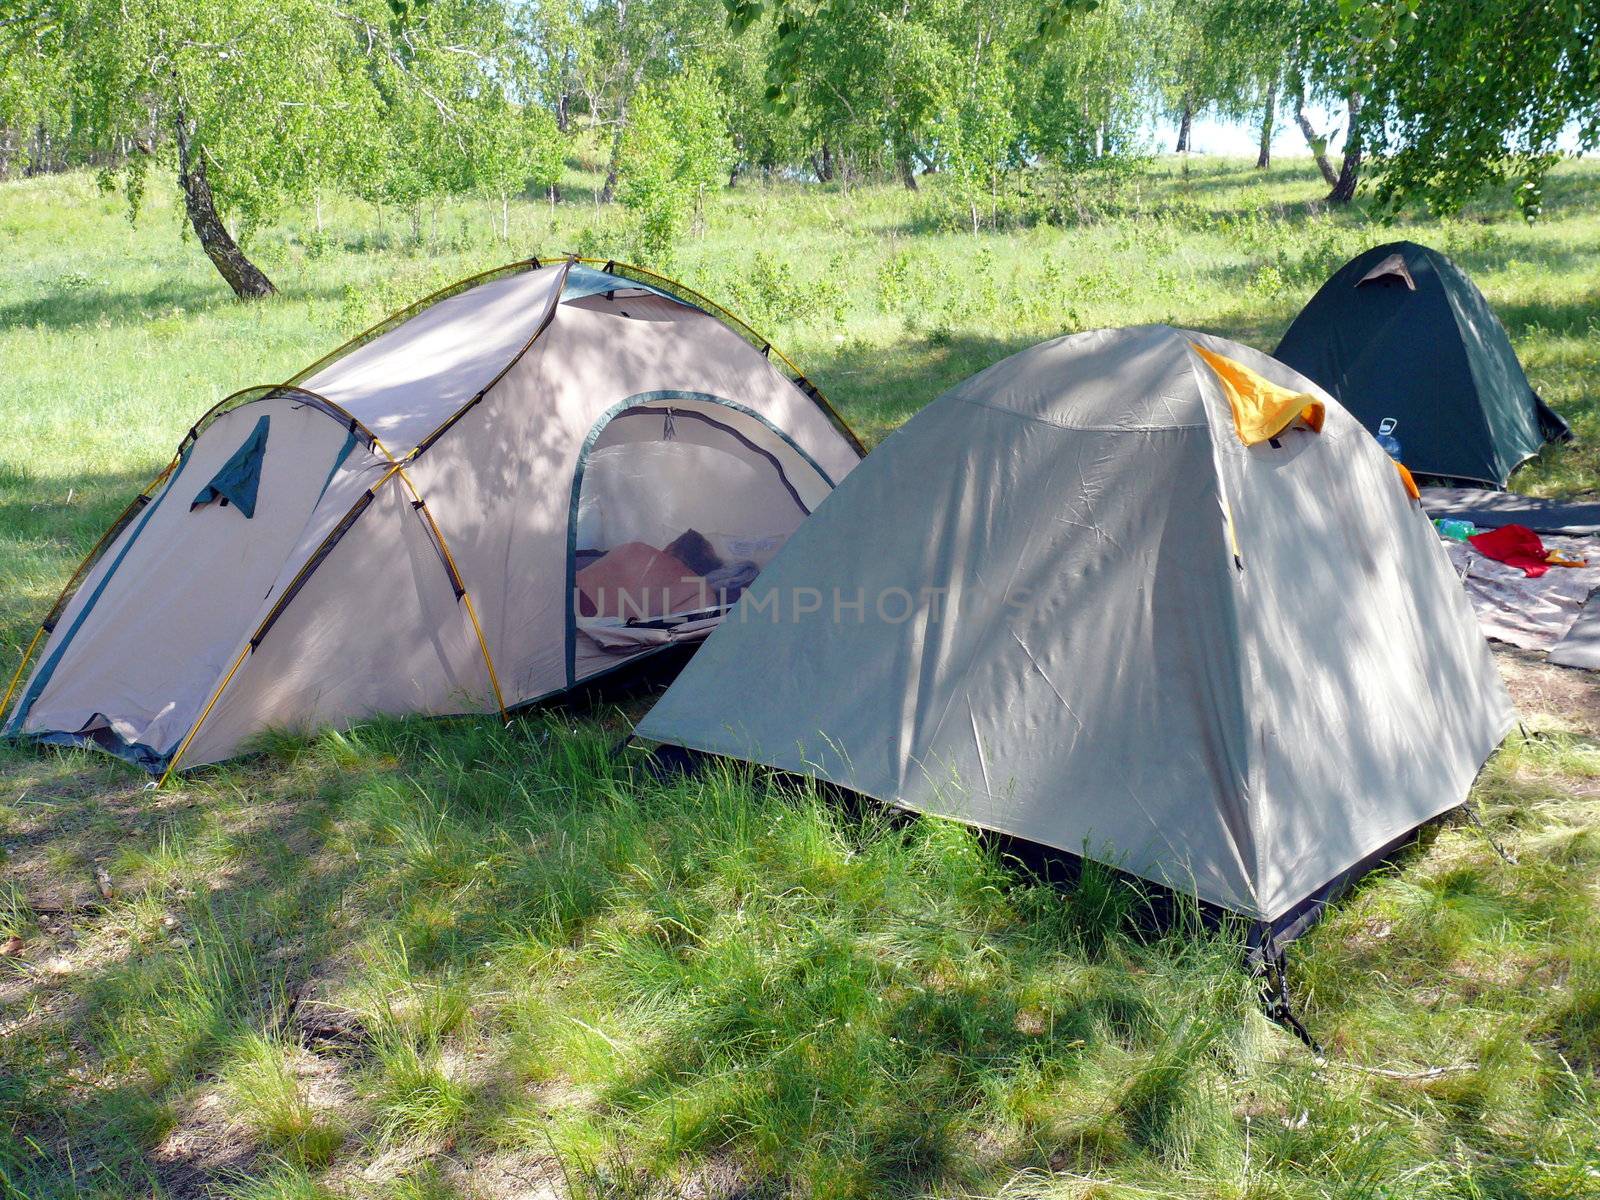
point(1405, 478)
point(1261, 409)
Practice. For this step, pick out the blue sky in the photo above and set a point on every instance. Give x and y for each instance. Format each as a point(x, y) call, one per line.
point(1210, 135)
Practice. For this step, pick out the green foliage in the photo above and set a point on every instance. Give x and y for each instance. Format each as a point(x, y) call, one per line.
point(676, 148)
point(1477, 94)
point(272, 102)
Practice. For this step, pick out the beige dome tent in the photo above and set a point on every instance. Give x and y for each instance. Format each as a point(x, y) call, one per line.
point(1143, 594)
point(512, 487)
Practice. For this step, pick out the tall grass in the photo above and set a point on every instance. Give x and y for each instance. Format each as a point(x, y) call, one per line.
point(426, 958)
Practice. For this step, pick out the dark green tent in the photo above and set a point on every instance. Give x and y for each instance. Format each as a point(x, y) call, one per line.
point(1401, 334)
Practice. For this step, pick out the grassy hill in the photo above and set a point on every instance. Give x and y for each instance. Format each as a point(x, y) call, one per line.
point(446, 959)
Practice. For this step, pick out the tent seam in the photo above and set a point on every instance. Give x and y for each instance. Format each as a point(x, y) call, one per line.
point(1247, 668)
point(1480, 409)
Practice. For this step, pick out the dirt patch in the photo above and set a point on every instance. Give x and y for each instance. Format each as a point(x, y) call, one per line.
point(205, 1145)
point(1568, 695)
point(506, 1175)
point(324, 1028)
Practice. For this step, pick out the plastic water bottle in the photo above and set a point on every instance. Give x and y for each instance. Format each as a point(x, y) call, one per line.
point(1387, 439)
point(1455, 530)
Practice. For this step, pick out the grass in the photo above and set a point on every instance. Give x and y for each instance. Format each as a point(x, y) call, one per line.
point(441, 959)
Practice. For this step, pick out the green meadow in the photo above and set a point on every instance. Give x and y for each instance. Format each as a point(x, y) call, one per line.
point(451, 959)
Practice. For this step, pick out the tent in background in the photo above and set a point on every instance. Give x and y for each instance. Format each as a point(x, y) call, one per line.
point(1143, 594)
point(472, 506)
point(1400, 333)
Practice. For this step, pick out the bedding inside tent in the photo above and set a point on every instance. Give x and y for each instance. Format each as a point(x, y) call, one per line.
point(679, 503)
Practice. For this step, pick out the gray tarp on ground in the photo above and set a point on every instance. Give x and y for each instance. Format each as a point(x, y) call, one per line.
point(1024, 611)
point(1490, 510)
point(1581, 647)
point(1511, 607)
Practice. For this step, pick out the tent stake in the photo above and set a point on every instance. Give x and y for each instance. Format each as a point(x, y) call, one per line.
point(1275, 1001)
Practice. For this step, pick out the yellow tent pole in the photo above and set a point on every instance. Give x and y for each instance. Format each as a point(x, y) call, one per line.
point(455, 571)
point(5, 705)
point(206, 712)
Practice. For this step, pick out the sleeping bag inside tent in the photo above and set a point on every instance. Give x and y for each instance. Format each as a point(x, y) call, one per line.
point(511, 487)
point(1140, 594)
point(1405, 340)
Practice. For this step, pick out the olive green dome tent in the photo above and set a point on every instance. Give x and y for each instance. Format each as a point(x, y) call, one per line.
point(1141, 594)
point(510, 488)
point(1401, 335)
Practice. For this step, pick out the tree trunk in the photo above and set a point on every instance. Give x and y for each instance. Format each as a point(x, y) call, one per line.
point(563, 115)
point(1344, 188)
point(609, 192)
point(1269, 116)
point(908, 170)
point(1319, 145)
point(1184, 124)
point(822, 163)
point(246, 279)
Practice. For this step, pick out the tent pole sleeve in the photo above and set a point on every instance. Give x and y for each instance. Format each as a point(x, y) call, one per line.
point(27, 656)
point(459, 582)
point(488, 662)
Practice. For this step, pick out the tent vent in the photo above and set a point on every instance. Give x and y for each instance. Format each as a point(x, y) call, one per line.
point(1393, 267)
point(240, 476)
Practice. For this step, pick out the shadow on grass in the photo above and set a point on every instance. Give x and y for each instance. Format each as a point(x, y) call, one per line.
point(75, 306)
point(130, 1013)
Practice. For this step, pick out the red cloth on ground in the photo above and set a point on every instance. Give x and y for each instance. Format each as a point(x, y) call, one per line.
point(1516, 546)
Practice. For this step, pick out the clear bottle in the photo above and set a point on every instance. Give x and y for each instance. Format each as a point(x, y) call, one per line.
point(1387, 439)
